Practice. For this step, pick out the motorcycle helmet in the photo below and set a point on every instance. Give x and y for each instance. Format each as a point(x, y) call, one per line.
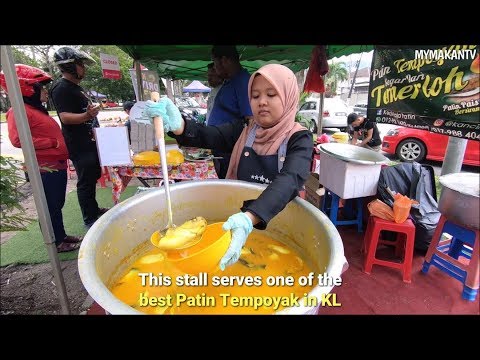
point(28, 76)
point(66, 58)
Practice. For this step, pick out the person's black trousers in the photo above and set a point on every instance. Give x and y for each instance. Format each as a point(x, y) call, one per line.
point(55, 186)
point(87, 167)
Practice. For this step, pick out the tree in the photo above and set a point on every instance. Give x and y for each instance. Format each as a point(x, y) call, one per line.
point(178, 86)
point(22, 56)
point(116, 90)
point(44, 52)
point(337, 72)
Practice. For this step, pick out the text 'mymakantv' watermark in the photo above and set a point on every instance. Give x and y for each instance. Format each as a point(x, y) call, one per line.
point(453, 54)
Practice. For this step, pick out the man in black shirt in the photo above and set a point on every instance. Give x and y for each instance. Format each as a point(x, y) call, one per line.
point(78, 117)
point(127, 106)
point(367, 129)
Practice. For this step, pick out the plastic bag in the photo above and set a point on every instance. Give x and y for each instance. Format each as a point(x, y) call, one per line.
point(322, 139)
point(379, 209)
point(401, 208)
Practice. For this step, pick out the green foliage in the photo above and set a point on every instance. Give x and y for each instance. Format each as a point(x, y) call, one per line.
point(41, 56)
point(12, 216)
point(116, 90)
point(22, 57)
point(303, 98)
point(337, 72)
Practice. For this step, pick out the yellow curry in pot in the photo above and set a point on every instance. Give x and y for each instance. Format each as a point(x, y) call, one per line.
point(264, 280)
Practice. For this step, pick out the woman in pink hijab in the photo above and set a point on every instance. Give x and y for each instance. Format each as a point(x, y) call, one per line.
point(272, 149)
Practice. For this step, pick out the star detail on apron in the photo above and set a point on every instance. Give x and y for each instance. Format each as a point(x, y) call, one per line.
point(261, 178)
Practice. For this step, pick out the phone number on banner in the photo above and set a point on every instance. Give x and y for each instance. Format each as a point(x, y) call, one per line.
point(458, 133)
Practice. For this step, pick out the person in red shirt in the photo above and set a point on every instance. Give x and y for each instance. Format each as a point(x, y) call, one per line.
point(50, 148)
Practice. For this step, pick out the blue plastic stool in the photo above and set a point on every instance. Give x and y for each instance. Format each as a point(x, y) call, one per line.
point(443, 253)
point(330, 207)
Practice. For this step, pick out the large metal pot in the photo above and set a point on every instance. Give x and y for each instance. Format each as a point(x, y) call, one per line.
point(460, 198)
point(124, 231)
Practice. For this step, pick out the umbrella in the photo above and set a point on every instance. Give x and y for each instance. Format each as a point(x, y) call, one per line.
point(97, 94)
point(196, 86)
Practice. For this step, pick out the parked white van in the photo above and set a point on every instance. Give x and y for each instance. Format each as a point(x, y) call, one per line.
point(335, 113)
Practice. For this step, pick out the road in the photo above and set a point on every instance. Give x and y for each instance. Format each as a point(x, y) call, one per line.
point(7, 148)
point(437, 165)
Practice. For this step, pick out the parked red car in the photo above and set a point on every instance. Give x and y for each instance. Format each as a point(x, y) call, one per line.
point(109, 104)
point(416, 145)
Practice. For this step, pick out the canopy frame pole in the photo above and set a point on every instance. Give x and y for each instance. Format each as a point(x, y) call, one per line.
point(320, 114)
point(139, 81)
point(454, 155)
point(18, 105)
point(169, 88)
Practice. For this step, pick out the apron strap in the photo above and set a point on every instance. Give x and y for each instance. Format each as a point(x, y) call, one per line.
point(282, 150)
point(251, 136)
point(282, 153)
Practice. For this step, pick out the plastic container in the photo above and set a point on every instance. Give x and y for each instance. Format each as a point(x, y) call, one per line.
point(146, 158)
point(350, 171)
point(204, 256)
point(340, 137)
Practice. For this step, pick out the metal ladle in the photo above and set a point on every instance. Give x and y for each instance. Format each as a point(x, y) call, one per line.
point(160, 136)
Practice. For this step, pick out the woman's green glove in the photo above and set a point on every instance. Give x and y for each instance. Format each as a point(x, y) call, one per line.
point(166, 109)
point(241, 226)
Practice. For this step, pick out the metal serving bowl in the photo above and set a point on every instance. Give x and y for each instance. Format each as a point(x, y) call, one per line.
point(460, 198)
point(116, 238)
point(353, 153)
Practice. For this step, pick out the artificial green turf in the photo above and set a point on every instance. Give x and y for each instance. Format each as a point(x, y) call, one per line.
point(28, 247)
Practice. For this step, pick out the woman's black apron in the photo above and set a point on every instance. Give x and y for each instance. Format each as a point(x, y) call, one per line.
point(260, 168)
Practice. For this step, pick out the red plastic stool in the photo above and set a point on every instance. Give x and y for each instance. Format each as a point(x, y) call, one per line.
point(70, 169)
point(104, 177)
point(403, 243)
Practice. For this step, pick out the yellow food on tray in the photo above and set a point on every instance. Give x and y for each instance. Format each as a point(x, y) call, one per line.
point(174, 158)
point(340, 137)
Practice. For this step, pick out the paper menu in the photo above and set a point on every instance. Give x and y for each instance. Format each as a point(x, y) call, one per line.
point(113, 146)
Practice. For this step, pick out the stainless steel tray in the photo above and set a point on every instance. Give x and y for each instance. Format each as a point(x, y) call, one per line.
point(354, 154)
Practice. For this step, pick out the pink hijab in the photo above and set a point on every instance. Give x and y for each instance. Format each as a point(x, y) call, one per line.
point(268, 140)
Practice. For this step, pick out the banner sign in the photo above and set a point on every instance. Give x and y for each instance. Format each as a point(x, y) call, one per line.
point(149, 82)
point(433, 88)
point(110, 67)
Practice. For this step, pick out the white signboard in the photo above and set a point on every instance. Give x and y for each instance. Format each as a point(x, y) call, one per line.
point(113, 146)
point(110, 66)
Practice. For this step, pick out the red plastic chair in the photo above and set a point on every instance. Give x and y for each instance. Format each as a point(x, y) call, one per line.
point(102, 180)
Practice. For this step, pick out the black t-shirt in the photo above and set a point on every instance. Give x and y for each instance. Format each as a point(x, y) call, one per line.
point(363, 129)
point(70, 97)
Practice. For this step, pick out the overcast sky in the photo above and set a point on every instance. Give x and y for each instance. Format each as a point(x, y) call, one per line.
point(350, 60)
